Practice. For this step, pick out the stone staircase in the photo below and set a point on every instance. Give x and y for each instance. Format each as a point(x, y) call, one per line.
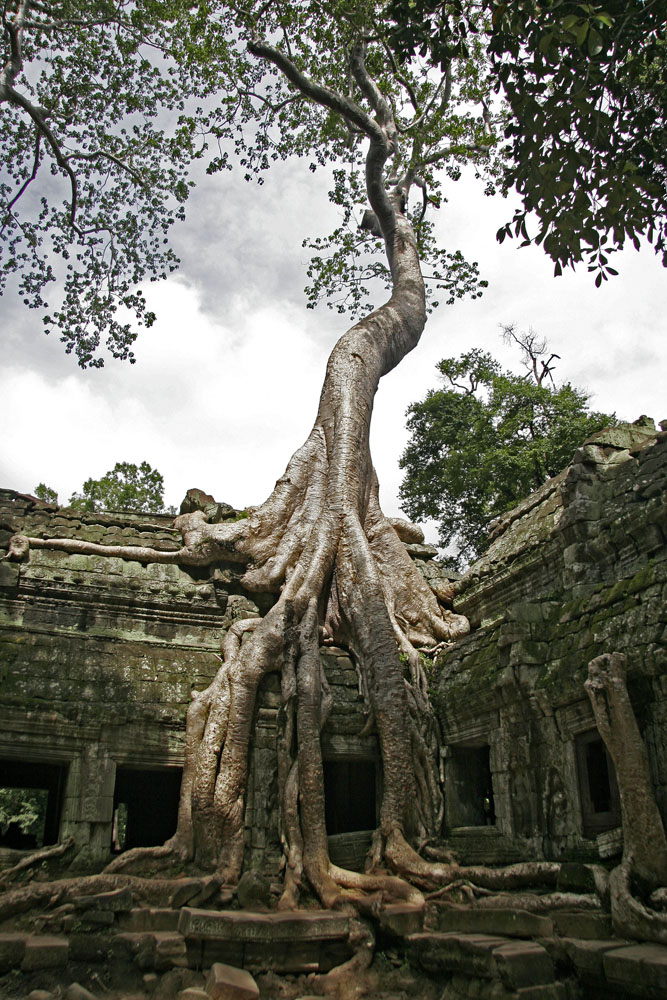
point(506, 952)
point(502, 953)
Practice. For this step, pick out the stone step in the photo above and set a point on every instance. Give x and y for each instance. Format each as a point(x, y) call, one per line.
point(506, 921)
point(620, 968)
point(152, 950)
point(401, 919)
point(582, 924)
point(517, 964)
point(145, 918)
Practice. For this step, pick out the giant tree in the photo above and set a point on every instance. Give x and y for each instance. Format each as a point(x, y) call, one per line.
point(288, 80)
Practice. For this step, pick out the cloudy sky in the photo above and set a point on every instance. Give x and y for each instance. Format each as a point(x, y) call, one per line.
point(226, 383)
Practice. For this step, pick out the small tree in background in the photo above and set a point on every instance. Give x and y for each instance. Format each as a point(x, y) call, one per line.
point(488, 439)
point(127, 486)
point(45, 493)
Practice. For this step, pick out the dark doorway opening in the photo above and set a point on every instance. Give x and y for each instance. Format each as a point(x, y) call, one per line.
point(598, 789)
point(470, 787)
point(145, 807)
point(349, 795)
point(31, 796)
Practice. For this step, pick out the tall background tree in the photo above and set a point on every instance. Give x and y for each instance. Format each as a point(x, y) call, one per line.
point(487, 439)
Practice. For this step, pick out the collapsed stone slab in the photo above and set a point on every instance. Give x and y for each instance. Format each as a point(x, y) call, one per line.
point(228, 983)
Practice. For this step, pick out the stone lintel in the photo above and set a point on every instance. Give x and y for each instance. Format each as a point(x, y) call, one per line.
point(242, 926)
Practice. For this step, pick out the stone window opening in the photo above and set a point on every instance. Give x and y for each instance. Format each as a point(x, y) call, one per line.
point(145, 807)
point(598, 789)
point(350, 795)
point(470, 799)
point(31, 795)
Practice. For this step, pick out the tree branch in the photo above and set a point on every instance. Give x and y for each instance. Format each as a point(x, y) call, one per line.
point(381, 133)
point(316, 92)
point(14, 97)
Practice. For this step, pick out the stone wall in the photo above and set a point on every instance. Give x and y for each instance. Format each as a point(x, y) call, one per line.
point(578, 569)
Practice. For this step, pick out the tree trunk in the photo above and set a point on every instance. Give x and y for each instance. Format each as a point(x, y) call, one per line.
point(644, 842)
point(644, 864)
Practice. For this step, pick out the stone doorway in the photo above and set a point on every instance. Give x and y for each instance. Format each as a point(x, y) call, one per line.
point(31, 795)
point(469, 786)
point(598, 789)
point(145, 806)
point(350, 792)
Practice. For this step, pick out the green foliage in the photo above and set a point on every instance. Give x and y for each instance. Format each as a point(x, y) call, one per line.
point(125, 487)
point(586, 88)
point(45, 493)
point(486, 440)
point(25, 807)
point(96, 152)
point(104, 107)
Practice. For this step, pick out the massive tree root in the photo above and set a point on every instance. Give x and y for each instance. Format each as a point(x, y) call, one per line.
point(643, 868)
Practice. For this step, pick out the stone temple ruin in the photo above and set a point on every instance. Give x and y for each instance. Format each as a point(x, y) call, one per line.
point(98, 657)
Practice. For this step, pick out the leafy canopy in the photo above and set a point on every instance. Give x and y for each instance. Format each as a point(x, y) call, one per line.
point(106, 104)
point(127, 486)
point(487, 439)
point(585, 85)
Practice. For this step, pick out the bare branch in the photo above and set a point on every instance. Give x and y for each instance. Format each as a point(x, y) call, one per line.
point(35, 168)
point(272, 107)
point(101, 154)
point(456, 149)
point(399, 76)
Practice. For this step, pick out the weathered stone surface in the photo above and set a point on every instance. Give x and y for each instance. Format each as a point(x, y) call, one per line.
point(253, 891)
point(471, 954)
point(170, 984)
point(640, 969)
point(508, 922)
point(77, 992)
point(571, 573)
point(149, 918)
point(89, 947)
point(193, 993)
point(116, 901)
point(237, 926)
point(45, 952)
point(583, 925)
point(587, 957)
point(227, 983)
point(523, 963)
point(402, 919)
point(12, 949)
